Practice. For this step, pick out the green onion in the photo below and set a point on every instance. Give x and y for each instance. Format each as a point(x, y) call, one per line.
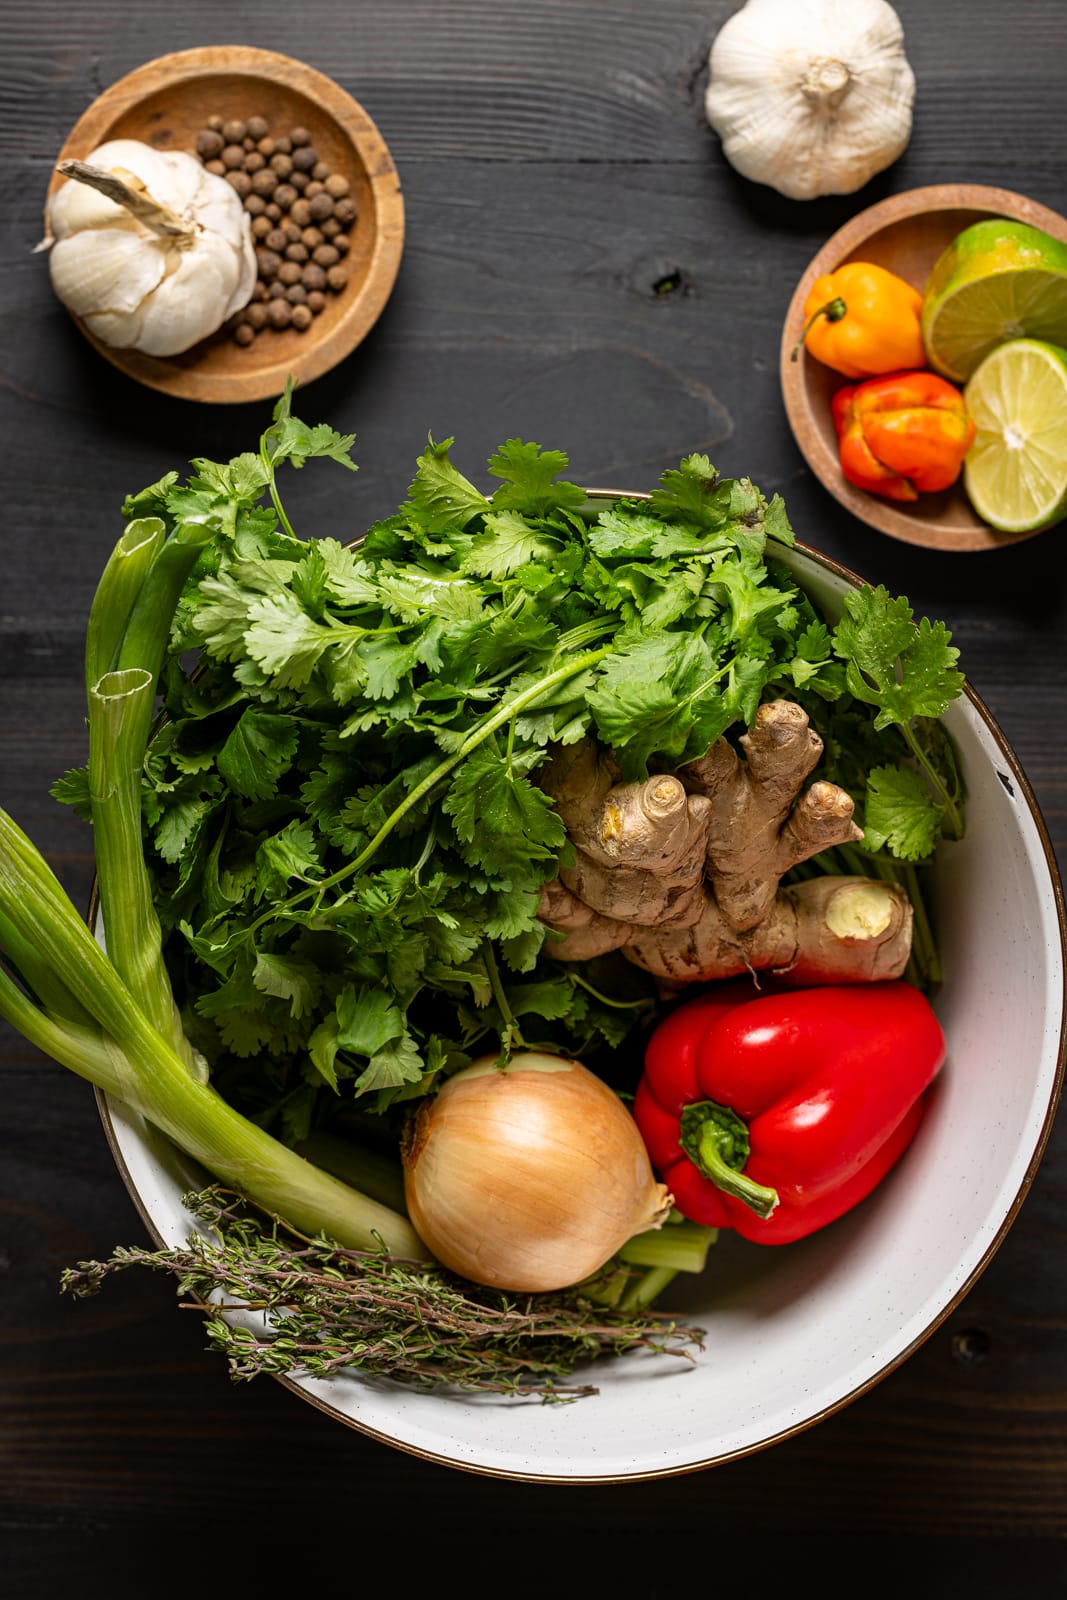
point(119, 1051)
point(111, 1017)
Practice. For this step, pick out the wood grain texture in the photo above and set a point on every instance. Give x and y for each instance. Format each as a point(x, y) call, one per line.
point(581, 267)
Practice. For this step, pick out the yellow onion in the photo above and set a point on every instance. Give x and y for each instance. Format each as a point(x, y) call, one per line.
point(528, 1177)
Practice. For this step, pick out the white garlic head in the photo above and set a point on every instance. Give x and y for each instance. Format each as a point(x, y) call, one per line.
point(811, 97)
point(162, 266)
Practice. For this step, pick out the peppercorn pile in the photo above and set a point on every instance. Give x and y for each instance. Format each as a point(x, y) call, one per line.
point(301, 214)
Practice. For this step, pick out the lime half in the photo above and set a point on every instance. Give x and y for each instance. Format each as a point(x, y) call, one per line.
point(1015, 473)
point(997, 280)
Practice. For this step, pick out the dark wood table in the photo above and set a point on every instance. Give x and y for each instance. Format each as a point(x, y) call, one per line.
point(582, 268)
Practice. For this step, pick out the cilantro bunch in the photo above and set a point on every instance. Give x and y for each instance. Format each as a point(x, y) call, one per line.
point(343, 823)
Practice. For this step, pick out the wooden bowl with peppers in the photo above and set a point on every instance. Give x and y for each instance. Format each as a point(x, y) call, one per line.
point(853, 366)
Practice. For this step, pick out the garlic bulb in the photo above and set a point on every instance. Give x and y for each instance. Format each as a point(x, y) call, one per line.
point(811, 97)
point(148, 248)
point(528, 1177)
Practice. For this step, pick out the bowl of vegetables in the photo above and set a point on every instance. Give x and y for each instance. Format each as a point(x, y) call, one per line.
point(569, 946)
point(866, 356)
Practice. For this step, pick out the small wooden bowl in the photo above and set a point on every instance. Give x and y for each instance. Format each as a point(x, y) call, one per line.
point(905, 233)
point(165, 103)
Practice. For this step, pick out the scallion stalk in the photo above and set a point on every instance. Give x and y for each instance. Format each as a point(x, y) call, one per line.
point(126, 640)
point(123, 1054)
point(118, 702)
point(116, 593)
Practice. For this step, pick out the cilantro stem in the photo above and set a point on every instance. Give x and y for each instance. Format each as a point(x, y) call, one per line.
point(607, 1000)
point(272, 485)
point(950, 809)
point(514, 1033)
point(479, 735)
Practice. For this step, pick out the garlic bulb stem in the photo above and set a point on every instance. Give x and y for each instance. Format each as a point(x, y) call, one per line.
point(158, 218)
point(826, 82)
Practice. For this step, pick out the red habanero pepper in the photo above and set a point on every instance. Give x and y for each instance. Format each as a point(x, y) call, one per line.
point(902, 436)
point(774, 1114)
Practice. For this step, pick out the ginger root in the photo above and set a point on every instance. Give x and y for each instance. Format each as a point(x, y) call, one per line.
point(681, 873)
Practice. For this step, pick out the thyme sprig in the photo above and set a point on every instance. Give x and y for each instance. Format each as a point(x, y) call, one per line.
point(325, 1310)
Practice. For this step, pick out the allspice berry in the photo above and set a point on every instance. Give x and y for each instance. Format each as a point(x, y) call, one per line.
point(298, 208)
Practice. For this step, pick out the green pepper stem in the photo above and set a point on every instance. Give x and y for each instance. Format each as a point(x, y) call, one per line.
point(713, 1164)
point(833, 311)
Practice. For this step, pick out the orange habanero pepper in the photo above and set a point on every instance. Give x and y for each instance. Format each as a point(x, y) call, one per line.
point(863, 321)
point(902, 436)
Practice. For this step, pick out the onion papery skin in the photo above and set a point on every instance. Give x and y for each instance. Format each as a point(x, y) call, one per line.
point(528, 1177)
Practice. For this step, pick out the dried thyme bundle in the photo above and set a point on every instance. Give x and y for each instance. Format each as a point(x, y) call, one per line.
point(327, 1309)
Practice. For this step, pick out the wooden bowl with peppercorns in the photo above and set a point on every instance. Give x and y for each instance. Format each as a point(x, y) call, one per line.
point(324, 204)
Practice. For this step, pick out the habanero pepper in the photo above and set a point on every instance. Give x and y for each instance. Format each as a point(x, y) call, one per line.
point(775, 1114)
point(902, 436)
point(862, 321)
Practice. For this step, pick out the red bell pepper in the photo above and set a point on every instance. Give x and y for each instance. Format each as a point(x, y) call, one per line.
point(774, 1114)
point(902, 436)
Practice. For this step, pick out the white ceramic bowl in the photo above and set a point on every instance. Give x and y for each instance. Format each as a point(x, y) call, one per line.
point(796, 1332)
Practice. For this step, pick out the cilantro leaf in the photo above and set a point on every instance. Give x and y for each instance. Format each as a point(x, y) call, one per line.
point(287, 978)
point(258, 752)
point(905, 670)
point(529, 475)
point(507, 543)
point(288, 439)
point(900, 812)
point(505, 823)
point(440, 497)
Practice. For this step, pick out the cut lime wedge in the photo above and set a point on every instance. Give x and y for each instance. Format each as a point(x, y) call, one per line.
point(998, 280)
point(1015, 473)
